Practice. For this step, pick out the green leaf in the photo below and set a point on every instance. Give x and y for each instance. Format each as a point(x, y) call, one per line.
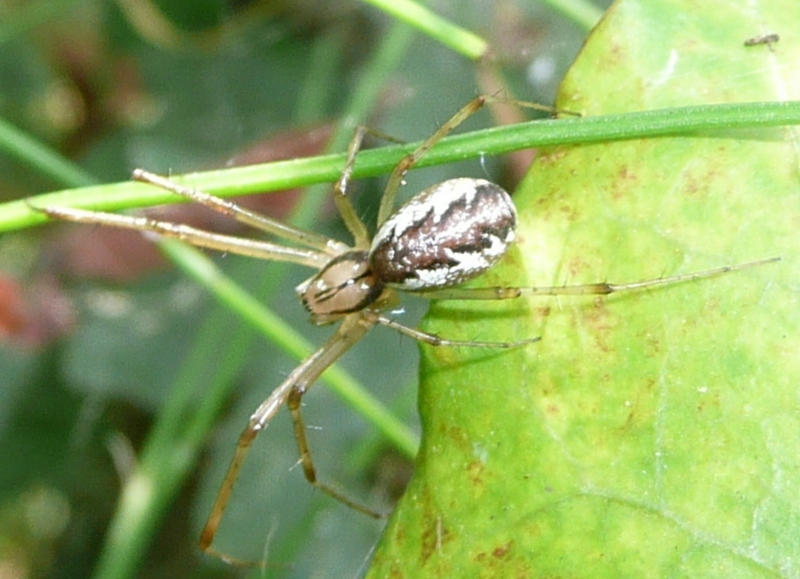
point(652, 433)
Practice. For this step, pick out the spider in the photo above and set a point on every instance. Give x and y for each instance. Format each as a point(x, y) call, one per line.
point(449, 234)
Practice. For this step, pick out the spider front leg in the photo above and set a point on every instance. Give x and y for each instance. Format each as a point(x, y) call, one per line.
point(192, 235)
point(350, 331)
point(242, 214)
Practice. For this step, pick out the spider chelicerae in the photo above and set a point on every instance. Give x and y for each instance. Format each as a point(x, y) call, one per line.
point(449, 234)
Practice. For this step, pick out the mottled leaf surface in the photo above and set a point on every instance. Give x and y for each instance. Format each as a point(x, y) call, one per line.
point(653, 433)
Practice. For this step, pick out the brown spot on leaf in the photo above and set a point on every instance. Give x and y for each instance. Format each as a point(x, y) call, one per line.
point(501, 551)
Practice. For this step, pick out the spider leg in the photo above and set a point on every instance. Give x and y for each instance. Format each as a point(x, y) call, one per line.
point(405, 164)
point(603, 288)
point(351, 219)
point(243, 215)
point(350, 331)
point(435, 340)
point(396, 178)
point(218, 241)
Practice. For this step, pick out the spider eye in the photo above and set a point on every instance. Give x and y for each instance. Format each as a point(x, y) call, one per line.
point(346, 285)
point(446, 235)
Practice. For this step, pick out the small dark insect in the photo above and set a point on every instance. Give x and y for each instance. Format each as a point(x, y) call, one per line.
point(446, 235)
point(769, 39)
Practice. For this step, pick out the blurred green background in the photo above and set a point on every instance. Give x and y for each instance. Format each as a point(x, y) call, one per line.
point(95, 330)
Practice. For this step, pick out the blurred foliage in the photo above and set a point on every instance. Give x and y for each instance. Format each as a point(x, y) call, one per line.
point(86, 365)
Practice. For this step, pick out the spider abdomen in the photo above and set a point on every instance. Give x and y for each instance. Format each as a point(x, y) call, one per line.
point(446, 235)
